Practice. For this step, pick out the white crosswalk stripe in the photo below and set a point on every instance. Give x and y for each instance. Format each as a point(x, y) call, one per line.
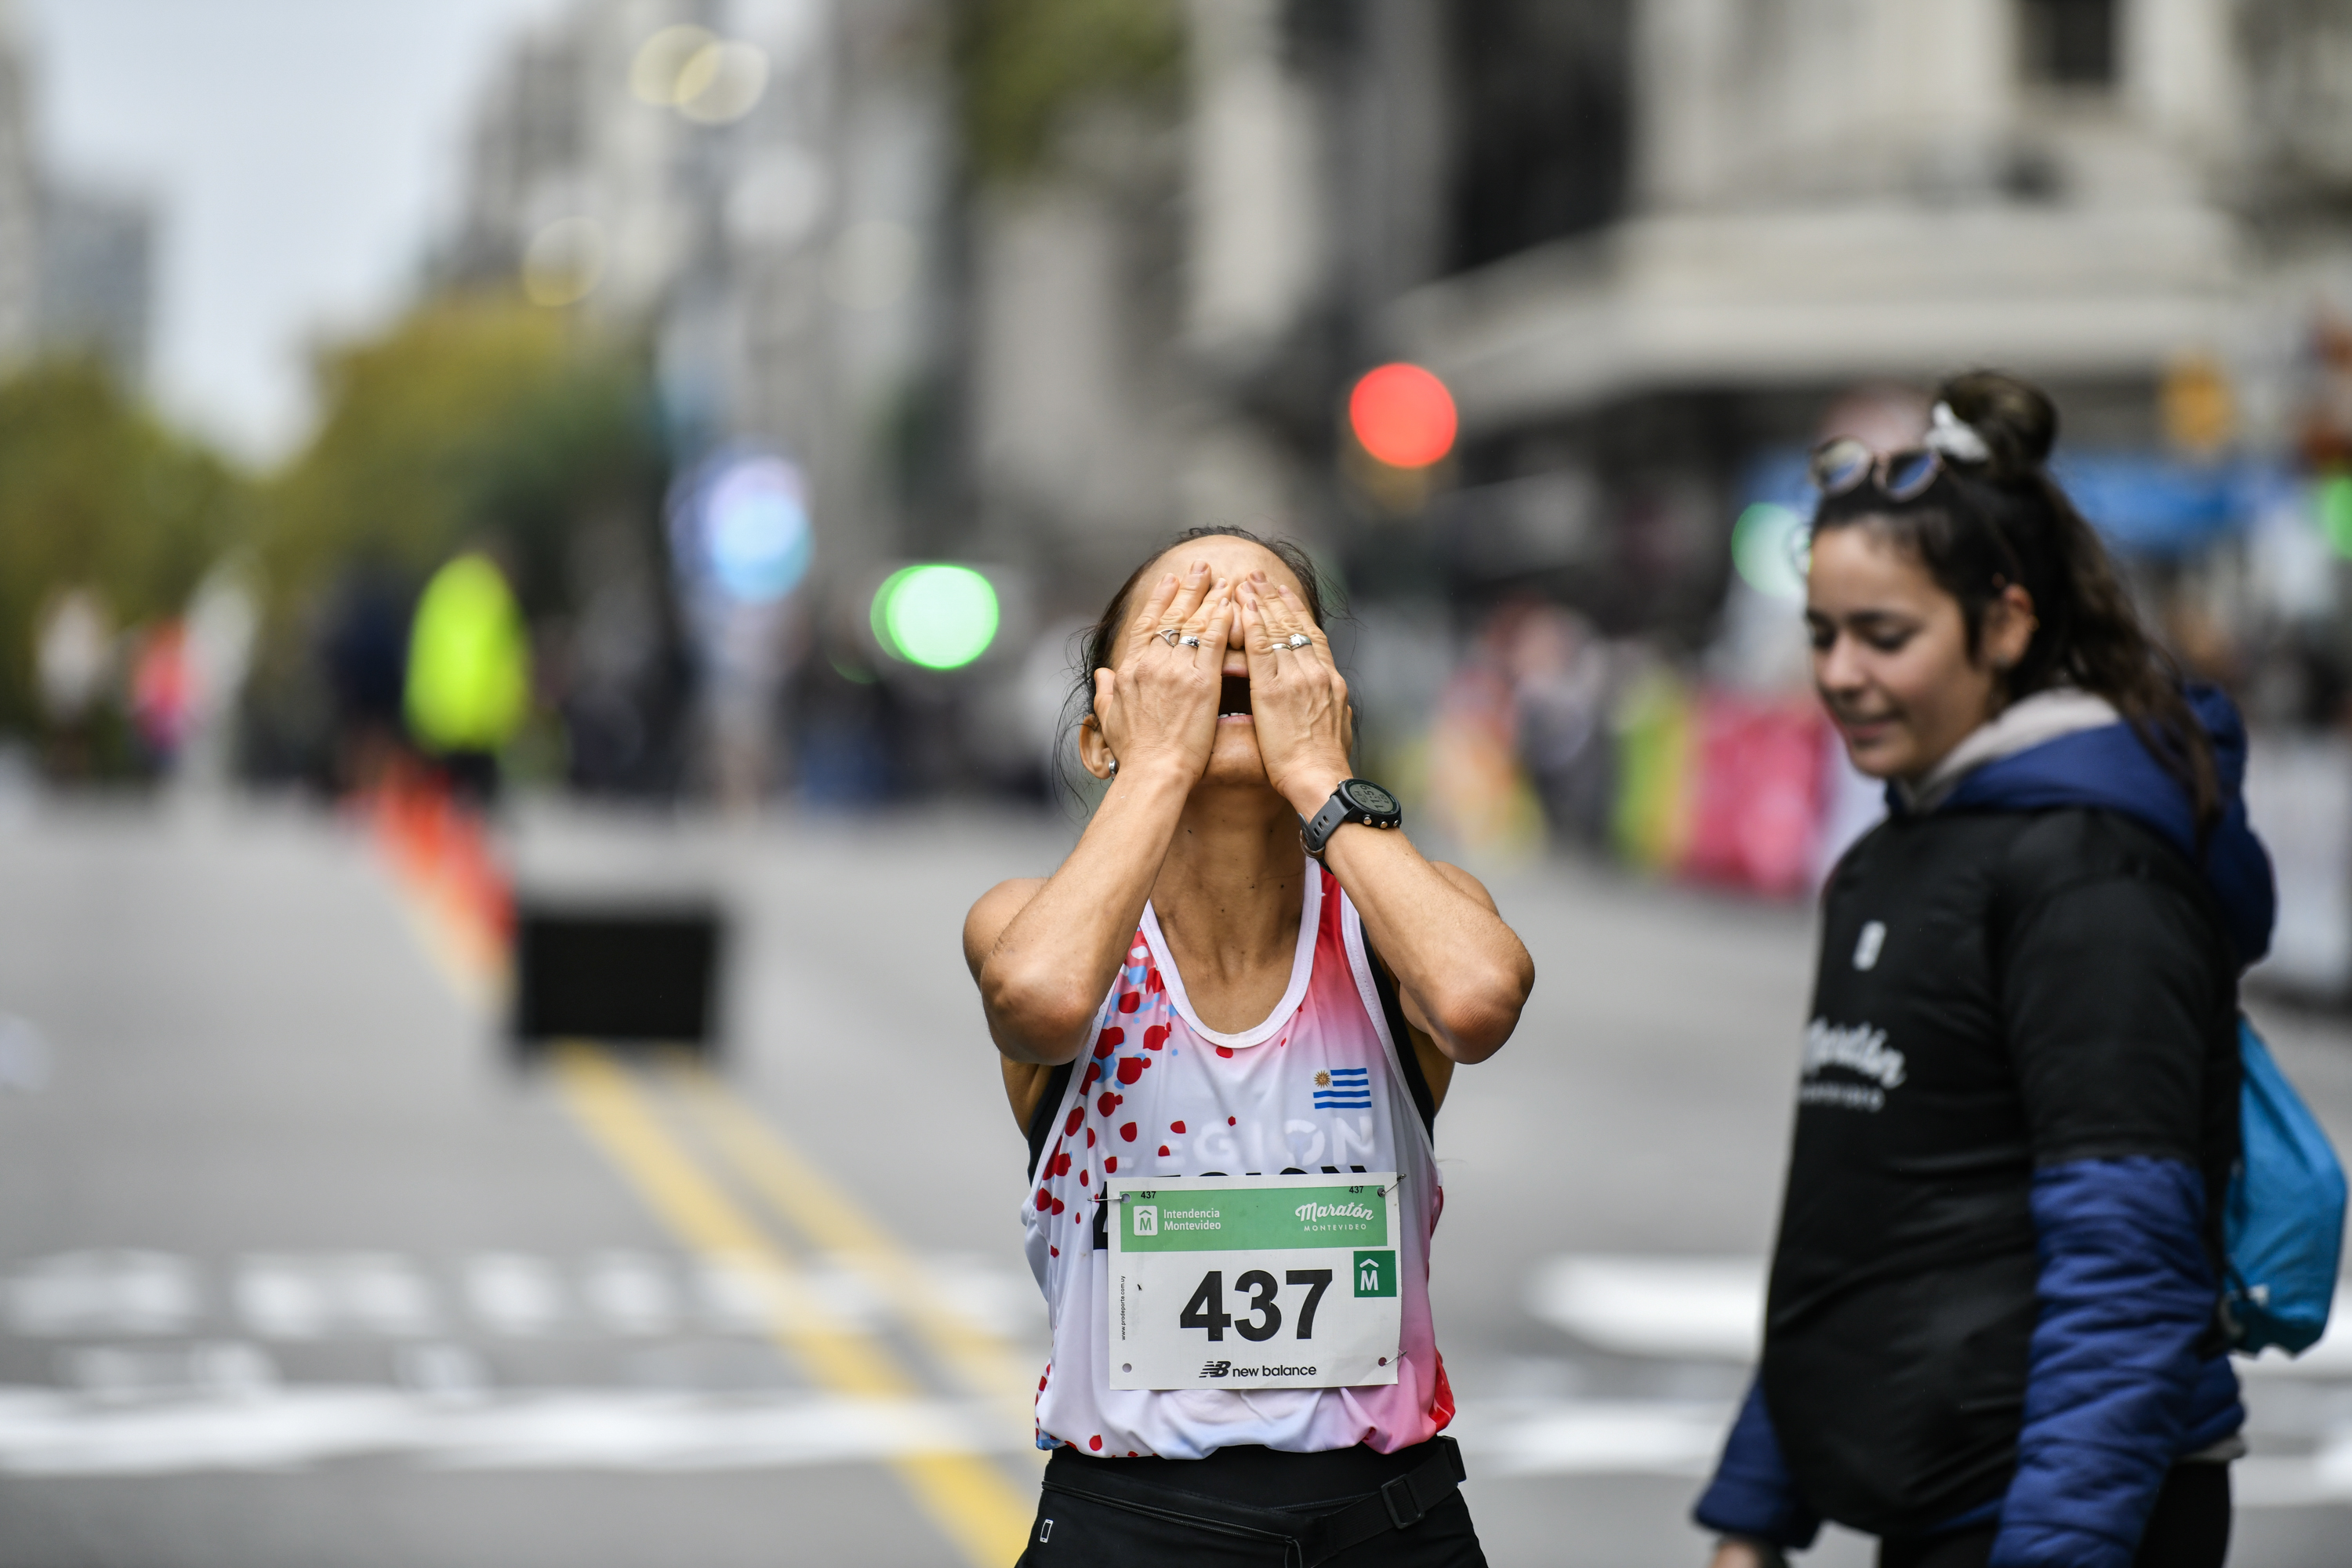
point(48, 1432)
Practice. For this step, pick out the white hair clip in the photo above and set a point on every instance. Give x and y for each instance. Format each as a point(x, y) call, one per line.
point(1952, 437)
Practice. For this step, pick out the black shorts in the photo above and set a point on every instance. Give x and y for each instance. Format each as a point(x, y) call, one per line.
point(1235, 1507)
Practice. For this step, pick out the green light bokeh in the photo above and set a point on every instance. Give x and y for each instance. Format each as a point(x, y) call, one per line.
point(2332, 499)
point(938, 616)
point(1768, 549)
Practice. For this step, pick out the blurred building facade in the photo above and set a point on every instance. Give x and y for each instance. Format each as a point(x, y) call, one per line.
point(77, 262)
point(2098, 194)
point(1653, 247)
point(754, 190)
point(1031, 283)
point(766, 217)
point(1641, 240)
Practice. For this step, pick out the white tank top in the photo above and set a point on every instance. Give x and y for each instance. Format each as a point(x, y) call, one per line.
point(1317, 1087)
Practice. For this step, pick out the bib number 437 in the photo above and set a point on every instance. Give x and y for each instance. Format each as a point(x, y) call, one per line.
point(1270, 1282)
point(1206, 1309)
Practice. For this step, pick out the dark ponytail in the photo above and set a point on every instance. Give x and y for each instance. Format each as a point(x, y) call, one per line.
point(1984, 525)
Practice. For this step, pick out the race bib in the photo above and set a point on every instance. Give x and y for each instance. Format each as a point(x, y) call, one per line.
point(1253, 1282)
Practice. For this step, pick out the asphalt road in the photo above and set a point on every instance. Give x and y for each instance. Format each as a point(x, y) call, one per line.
point(296, 1268)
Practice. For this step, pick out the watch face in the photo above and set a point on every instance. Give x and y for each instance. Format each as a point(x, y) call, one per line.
point(1370, 797)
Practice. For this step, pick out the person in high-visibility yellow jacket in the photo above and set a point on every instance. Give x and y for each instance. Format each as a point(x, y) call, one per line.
point(469, 686)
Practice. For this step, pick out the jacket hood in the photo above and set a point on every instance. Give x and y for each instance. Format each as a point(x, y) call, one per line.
point(2108, 767)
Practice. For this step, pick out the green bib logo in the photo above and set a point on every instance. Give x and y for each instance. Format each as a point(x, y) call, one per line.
point(1376, 1274)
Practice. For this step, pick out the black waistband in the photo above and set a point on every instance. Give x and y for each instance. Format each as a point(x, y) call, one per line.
point(1261, 1477)
point(1315, 1504)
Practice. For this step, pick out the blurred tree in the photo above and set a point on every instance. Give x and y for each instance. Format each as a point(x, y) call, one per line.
point(1025, 63)
point(474, 420)
point(97, 494)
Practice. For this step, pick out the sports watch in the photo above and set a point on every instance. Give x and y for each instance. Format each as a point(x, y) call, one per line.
point(1356, 800)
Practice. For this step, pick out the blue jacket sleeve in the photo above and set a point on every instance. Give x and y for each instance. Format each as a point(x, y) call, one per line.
point(1752, 1492)
point(2124, 1294)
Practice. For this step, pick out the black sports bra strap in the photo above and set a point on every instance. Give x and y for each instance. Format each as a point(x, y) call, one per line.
point(1408, 1059)
point(1049, 1106)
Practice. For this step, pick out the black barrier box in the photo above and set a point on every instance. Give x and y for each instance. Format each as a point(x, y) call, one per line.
point(621, 974)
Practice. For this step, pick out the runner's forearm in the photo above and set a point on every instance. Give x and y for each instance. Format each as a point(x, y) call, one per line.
point(1049, 969)
point(1459, 967)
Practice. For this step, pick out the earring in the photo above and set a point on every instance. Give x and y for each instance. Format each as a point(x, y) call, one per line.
point(1114, 767)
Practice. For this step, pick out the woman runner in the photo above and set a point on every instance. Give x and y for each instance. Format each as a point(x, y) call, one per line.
point(1226, 1023)
point(1992, 1333)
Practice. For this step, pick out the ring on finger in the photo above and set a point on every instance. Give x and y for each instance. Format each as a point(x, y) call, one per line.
point(1297, 640)
point(1190, 641)
point(1167, 635)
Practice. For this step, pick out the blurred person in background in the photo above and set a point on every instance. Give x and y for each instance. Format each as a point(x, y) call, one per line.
point(1252, 978)
point(1993, 1330)
point(73, 664)
point(468, 679)
point(363, 648)
point(1560, 681)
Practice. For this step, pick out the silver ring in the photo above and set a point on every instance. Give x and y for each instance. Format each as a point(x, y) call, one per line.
point(1190, 641)
point(1167, 635)
point(1298, 641)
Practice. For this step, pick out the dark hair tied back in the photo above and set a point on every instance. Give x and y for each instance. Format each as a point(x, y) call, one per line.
point(1983, 526)
point(2015, 419)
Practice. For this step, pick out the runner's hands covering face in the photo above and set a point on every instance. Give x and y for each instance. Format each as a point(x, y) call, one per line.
point(1298, 699)
point(1158, 707)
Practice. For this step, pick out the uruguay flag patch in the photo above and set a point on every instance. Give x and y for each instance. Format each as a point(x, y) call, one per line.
point(1344, 1088)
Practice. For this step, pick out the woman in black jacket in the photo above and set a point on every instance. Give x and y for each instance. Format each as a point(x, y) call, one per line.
point(1992, 1331)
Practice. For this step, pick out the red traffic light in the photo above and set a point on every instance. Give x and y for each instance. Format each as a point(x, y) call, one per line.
point(1403, 415)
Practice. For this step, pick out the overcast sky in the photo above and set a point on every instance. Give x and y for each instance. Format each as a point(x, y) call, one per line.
point(300, 152)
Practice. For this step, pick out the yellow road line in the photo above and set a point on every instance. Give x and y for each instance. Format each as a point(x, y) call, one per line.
point(972, 1503)
point(800, 1193)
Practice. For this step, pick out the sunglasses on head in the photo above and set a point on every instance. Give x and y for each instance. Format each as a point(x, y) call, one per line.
point(1844, 463)
point(1841, 464)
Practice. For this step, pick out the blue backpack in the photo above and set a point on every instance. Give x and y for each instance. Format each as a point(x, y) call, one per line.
point(2282, 1226)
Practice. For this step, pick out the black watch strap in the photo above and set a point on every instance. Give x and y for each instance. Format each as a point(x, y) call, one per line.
point(1316, 832)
